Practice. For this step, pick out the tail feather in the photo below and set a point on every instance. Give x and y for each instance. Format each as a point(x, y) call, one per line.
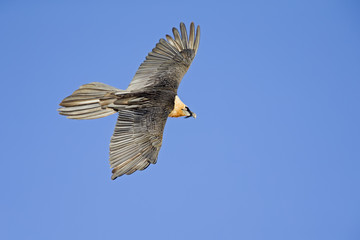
point(90, 101)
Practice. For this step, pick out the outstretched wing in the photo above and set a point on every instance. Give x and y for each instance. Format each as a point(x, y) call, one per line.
point(168, 62)
point(137, 139)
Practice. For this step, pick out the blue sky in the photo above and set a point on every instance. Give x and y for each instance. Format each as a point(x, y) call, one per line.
point(273, 154)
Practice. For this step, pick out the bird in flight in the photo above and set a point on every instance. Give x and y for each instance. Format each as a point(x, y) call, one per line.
point(144, 106)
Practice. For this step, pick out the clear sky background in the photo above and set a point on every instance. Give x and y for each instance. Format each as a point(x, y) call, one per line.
point(273, 154)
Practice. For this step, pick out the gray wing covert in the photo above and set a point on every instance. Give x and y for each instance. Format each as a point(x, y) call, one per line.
point(137, 139)
point(168, 62)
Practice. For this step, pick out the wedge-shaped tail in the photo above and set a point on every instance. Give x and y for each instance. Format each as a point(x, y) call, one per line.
point(90, 101)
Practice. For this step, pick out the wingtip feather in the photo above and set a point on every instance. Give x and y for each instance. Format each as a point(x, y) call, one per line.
point(184, 36)
point(197, 39)
point(178, 38)
point(182, 40)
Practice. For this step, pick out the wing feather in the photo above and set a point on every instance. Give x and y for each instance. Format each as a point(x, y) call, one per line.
point(191, 36)
point(137, 139)
point(178, 38)
point(184, 36)
point(167, 63)
point(197, 39)
point(173, 43)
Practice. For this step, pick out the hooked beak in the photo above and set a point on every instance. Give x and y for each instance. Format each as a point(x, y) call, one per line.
point(189, 113)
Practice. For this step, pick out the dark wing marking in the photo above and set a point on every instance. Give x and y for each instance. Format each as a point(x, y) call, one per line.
point(137, 139)
point(168, 62)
